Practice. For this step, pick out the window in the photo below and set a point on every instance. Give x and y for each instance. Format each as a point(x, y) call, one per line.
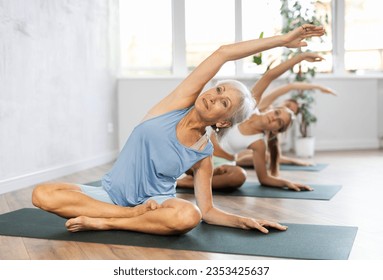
point(363, 41)
point(258, 17)
point(323, 46)
point(209, 24)
point(146, 37)
point(171, 37)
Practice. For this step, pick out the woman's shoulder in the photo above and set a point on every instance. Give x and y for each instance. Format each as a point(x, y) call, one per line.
point(177, 112)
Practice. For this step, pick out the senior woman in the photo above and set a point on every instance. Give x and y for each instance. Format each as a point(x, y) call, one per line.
point(138, 193)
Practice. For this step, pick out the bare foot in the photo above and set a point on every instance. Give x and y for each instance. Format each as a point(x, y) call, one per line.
point(83, 223)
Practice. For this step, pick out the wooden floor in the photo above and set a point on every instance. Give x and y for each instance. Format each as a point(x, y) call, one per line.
point(359, 203)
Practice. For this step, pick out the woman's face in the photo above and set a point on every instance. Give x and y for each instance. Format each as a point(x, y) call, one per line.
point(291, 105)
point(276, 119)
point(218, 103)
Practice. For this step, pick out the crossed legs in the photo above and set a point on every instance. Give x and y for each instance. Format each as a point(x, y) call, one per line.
point(174, 216)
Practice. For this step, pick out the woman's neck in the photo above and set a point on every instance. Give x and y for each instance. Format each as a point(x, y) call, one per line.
point(252, 125)
point(192, 122)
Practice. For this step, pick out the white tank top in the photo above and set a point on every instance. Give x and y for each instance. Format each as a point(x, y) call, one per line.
point(234, 141)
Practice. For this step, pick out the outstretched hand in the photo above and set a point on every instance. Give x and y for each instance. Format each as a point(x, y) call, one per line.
point(298, 187)
point(327, 90)
point(261, 225)
point(311, 57)
point(294, 38)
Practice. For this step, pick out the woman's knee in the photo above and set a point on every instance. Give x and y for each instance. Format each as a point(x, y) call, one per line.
point(44, 195)
point(237, 177)
point(187, 217)
point(40, 195)
point(241, 175)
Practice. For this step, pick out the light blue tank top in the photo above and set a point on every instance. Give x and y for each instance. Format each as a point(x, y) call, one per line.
point(151, 161)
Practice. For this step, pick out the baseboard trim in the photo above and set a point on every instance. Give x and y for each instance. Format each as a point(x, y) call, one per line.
point(26, 180)
point(346, 145)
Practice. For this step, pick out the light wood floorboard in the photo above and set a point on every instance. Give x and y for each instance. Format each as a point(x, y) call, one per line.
point(359, 203)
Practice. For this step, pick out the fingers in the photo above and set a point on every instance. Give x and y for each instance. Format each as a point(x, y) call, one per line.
point(331, 92)
point(309, 30)
point(327, 90)
point(294, 187)
point(299, 187)
point(265, 223)
point(312, 29)
point(262, 225)
point(312, 56)
point(307, 188)
point(261, 228)
point(304, 187)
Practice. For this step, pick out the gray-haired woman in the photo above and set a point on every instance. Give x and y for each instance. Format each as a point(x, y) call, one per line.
point(138, 193)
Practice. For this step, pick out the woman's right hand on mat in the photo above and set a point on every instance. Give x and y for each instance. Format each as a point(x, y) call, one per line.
point(261, 225)
point(298, 187)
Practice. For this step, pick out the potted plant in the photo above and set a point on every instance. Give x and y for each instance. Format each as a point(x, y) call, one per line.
point(295, 13)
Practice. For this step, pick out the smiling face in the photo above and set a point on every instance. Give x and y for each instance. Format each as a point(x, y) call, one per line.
point(276, 120)
point(218, 103)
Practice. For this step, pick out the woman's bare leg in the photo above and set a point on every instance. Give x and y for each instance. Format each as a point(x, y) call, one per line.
point(224, 177)
point(67, 200)
point(245, 158)
point(175, 216)
point(294, 161)
point(228, 177)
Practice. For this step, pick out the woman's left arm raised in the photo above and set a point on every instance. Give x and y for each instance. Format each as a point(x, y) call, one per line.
point(185, 94)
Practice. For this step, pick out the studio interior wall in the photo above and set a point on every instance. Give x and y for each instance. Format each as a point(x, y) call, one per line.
point(58, 96)
point(350, 121)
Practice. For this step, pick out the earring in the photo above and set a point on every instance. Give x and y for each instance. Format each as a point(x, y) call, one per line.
point(217, 129)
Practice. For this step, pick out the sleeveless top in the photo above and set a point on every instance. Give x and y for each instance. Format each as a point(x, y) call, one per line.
point(151, 161)
point(234, 141)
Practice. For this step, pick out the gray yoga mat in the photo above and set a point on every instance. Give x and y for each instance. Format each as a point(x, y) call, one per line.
point(254, 189)
point(300, 241)
point(313, 168)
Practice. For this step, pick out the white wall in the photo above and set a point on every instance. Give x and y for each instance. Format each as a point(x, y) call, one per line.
point(135, 98)
point(57, 88)
point(352, 120)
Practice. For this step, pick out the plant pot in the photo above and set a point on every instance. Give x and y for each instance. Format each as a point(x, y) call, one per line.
point(305, 147)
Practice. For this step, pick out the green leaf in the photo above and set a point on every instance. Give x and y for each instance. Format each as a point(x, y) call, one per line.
point(257, 59)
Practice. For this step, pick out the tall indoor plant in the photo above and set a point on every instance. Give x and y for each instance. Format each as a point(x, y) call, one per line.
point(295, 13)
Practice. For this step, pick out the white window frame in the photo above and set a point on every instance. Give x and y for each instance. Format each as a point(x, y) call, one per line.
point(179, 67)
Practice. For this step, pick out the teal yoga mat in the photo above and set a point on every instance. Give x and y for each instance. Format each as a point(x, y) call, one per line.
point(253, 189)
point(313, 168)
point(291, 167)
point(300, 241)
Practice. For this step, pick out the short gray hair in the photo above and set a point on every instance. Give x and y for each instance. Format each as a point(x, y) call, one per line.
point(246, 105)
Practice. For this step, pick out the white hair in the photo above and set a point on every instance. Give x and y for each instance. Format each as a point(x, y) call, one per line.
point(246, 105)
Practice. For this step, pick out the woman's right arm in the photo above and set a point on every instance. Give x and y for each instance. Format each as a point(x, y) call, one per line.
point(218, 151)
point(185, 94)
point(259, 160)
point(284, 89)
point(272, 74)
